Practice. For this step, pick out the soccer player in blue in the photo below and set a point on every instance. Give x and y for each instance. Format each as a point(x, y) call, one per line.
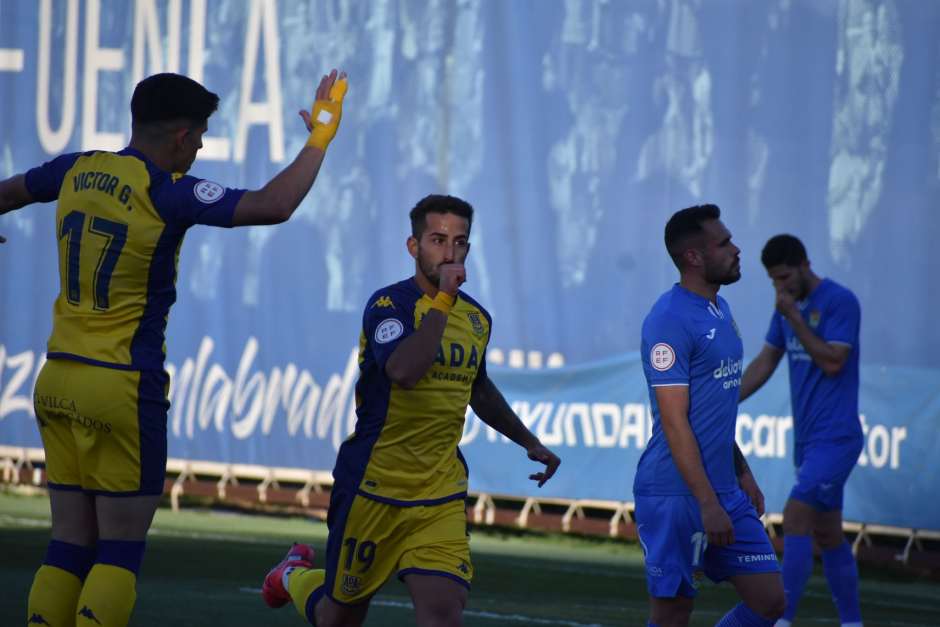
point(816, 323)
point(697, 504)
point(101, 397)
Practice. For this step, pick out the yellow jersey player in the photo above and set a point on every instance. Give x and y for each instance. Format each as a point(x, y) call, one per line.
point(400, 481)
point(101, 398)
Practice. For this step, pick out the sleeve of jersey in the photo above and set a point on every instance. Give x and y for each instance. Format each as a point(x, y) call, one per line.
point(667, 348)
point(387, 320)
point(45, 181)
point(845, 317)
point(201, 201)
point(775, 333)
point(481, 370)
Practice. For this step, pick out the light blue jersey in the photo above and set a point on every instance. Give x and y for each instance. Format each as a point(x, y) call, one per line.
point(825, 409)
point(688, 340)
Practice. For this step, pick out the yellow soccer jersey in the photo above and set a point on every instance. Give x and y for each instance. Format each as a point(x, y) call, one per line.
point(404, 450)
point(120, 222)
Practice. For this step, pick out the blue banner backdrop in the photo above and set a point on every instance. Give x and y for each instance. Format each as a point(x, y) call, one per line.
point(576, 129)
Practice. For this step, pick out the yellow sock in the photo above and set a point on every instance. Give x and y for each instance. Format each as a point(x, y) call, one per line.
point(53, 597)
point(107, 597)
point(301, 583)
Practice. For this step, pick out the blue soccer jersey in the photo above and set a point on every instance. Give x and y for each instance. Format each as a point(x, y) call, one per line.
point(688, 340)
point(824, 408)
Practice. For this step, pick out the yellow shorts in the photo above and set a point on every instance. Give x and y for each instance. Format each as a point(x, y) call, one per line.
point(103, 429)
point(370, 540)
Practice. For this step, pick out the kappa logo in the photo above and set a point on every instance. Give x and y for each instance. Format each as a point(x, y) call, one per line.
point(711, 334)
point(462, 567)
point(37, 619)
point(384, 301)
point(86, 612)
point(476, 322)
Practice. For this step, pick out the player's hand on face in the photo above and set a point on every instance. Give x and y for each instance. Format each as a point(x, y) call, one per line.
point(785, 303)
point(750, 487)
point(539, 453)
point(453, 275)
point(717, 524)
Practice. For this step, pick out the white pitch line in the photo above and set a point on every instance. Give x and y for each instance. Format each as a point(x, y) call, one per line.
point(513, 618)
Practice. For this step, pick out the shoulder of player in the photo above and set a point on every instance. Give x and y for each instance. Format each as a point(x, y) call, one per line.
point(396, 294)
point(474, 303)
point(839, 295)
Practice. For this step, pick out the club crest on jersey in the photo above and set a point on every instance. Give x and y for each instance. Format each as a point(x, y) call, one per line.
point(351, 584)
point(384, 301)
point(662, 357)
point(208, 191)
point(814, 317)
point(476, 322)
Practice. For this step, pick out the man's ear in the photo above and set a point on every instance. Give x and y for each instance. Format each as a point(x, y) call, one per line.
point(693, 257)
point(412, 245)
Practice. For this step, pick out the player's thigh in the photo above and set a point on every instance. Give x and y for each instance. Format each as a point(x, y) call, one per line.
point(823, 471)
point(438, 600)
point(674, 542)
point(365, 544)
point(329, 613)
point(125, 517)
point(438, 543)
point(55, 408)
point(751, 551)
point(73, 517)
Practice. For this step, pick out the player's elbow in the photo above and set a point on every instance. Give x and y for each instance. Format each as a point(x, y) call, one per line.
point(401, 376)
point(832, 368)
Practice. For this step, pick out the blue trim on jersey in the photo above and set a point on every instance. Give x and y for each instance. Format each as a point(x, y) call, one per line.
point(374, 388)
point(44, 182)
point(152, 408)
point(432, 573)
point(396, 502)
point(147, 345)
point(90, 362)
point(341, 502)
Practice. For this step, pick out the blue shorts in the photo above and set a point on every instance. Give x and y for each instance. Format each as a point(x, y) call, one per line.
point(822, 468)
point(676, 547)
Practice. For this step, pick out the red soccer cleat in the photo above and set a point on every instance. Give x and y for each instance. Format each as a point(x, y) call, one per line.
point(272, 590)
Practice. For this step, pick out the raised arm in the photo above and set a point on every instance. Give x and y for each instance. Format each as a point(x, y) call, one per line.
point(277, 201)
point(759, 370)
point(673, 401)
point(13, 195)
point(489, 404)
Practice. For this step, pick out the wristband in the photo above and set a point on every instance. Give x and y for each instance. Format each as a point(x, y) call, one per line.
point(443, 302)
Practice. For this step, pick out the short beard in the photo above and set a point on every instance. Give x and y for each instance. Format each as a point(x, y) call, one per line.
point(429, 272)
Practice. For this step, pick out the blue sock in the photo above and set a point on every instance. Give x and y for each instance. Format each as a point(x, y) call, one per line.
point(742, 616)
point(797, 567)
point(70, 557)
point(842, 574)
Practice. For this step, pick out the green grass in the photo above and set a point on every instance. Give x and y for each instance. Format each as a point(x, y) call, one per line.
point(205, 567)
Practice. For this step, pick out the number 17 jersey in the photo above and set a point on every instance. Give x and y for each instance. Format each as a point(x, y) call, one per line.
point(120, 222)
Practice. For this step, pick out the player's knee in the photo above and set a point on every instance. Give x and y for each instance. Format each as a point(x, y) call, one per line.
point(445, 612)
point(773, 604)
point(828, 538)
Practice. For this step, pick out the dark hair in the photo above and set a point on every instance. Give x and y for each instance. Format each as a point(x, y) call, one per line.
point(783, 249)
point(165, 97)
point(438, 203)
point(684, 224)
